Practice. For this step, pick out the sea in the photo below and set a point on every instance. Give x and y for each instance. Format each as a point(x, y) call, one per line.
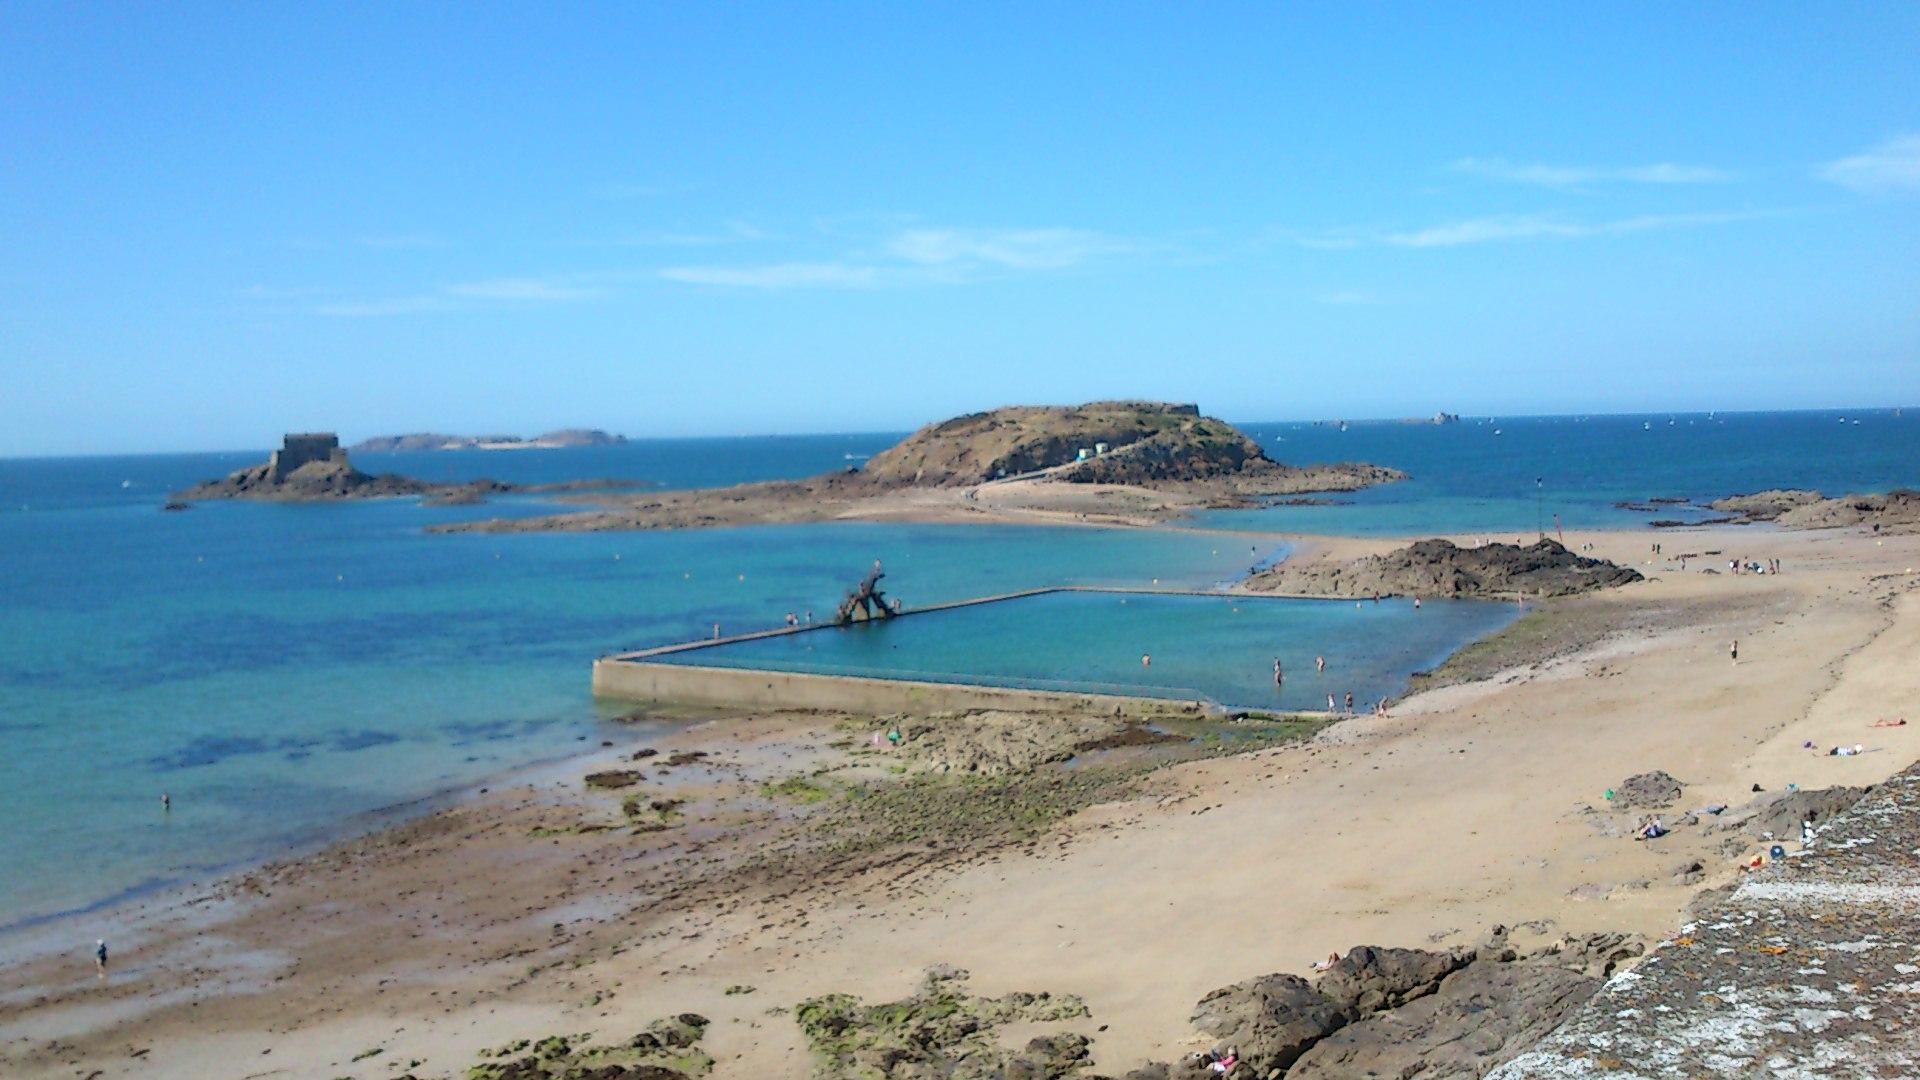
point(290, 674)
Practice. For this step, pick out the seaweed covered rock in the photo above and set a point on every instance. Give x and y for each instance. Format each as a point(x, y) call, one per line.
point(941, 1030)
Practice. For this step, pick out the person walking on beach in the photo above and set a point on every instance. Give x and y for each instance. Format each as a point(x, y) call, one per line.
point(1733, 652)
point(1331, 707)
point(100, 957)
point(1349, 703)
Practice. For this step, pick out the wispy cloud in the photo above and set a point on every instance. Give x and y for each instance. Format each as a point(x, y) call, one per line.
point(397, 305)
point(792, 275)
point(532, 290)
point(1894, 165)
point(1494, 229)
point(919, 256)
point(731, 232)
point(1019, 249)
point(1664, 172)
point(514, 291)
point(1509, 228)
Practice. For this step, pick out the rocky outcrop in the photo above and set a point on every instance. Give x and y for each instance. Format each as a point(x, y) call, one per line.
point(1401, 1012)
point(334, 478)
point(1477, 1018)
point(1441, 568)
point(1650, 789)
point(1271, 1020)
point(1895, 511)
point(1803, 968)
point(1367, 980)
point(1765, 505)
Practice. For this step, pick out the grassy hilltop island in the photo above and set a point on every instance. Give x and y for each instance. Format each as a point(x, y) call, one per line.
point(1110, 462)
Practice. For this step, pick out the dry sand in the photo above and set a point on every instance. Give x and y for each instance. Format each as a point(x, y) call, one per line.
point(1465, 808)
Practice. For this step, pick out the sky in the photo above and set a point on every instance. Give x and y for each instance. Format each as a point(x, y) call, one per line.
point(222, 222)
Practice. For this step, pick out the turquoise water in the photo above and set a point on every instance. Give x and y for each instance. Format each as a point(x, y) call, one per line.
point(283, 671)
point(1219, 649)
point(1465, 478)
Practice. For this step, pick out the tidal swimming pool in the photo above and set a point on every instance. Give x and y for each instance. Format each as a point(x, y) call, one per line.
point(1220, 648)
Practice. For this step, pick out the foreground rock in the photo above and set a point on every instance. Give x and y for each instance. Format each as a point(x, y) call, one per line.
point(1807, 968)
point(1400, 1012)
point(1271, 1020)
point(1442, 568)
point(1057, 454)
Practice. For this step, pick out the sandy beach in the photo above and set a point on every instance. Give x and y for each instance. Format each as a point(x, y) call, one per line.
point(536, 907)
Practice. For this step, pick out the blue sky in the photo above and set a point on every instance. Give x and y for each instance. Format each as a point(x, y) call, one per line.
point(221, 222)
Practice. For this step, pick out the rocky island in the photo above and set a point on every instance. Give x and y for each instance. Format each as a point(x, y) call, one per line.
point(312, 467)
point(1107, 462)
point(1442, 568)
point(552, 440)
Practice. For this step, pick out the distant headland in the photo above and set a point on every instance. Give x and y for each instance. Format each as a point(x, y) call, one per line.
point(552, 440)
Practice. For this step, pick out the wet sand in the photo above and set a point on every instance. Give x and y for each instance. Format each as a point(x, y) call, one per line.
point(513, 914)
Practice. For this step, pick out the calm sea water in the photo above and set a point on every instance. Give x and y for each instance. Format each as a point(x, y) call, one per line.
point(282, 670)
point(1219, 649)
point(1479, 475)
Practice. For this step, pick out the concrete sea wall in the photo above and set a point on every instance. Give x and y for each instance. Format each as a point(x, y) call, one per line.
point(751, 688)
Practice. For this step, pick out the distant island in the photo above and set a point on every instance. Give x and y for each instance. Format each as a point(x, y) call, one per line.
point(552, 440)
point(1105, 462)
point(312, 467)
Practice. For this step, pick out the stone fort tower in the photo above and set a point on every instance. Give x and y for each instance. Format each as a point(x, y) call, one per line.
point(302, 449)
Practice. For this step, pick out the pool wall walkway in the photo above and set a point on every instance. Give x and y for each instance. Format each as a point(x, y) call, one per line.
point(644, 676)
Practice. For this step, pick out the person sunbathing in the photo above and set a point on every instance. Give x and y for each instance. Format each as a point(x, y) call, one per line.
point(1902, 722)
point(1332, 959)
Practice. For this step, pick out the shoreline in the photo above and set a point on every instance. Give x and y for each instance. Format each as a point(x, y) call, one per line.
point(1549, 676)
point(1301, 547)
